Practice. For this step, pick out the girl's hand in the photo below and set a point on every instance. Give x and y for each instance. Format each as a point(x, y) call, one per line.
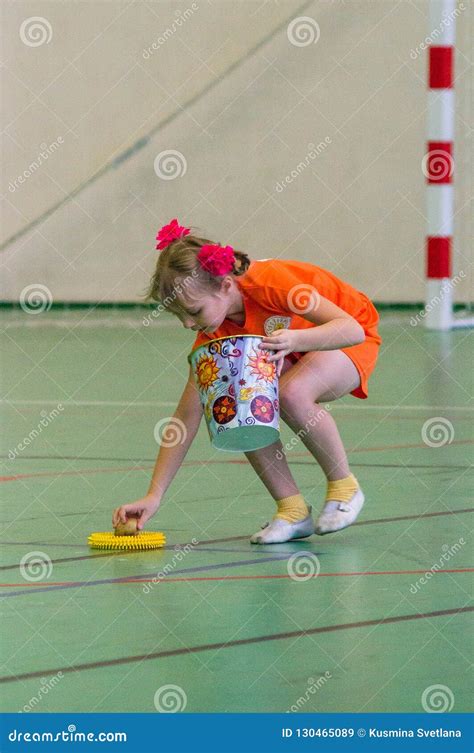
point(144, 508)
point(284, 341)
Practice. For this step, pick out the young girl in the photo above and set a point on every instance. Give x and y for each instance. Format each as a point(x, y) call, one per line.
point(320, 332)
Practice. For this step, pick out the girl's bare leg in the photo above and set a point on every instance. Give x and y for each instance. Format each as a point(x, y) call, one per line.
point(323, 376)
point(269, 463)
point(318, 377)
point(293, 519)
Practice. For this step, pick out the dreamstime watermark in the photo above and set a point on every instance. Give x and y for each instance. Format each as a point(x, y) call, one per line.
point(46, 420)
point(437, 431)
point(437, 699)
point(448, 553)
point(178, 556)
point(170, 164)
point(279, 455)
point(436, 300)
point(170, 431)
point(303, 566)
point(46, 150)
point(71, 735)
point(303, 31)
point(45, 687)
point(170, 699)
point(437, 31)
point(302, 299)
point(311, 155)
point(36, 298)
point(181, 18)
point(437, 165)
point(36, 566)
point(313, 687)
point(36, 31)
point(180, 285)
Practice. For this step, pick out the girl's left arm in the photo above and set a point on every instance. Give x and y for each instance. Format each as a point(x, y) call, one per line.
point(337, 329)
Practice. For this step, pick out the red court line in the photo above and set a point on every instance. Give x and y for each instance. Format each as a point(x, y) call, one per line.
point(411, 517)
point(233, 643)
point(191, 463)
point(248, 577)
point(219, 541)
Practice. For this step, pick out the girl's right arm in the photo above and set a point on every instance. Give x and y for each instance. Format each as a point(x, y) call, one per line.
point(178, 435)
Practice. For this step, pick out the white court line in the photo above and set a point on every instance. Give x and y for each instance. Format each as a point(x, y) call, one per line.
point(30, 321)
point(162, 403)
point(108, 323)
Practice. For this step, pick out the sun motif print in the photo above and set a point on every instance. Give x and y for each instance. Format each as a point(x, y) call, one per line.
point(262, 368)
point(207, 371)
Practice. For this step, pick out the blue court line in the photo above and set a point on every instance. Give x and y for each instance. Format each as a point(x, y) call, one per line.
point(124, 579)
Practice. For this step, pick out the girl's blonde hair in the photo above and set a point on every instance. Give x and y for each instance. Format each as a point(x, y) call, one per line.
point(178, 266)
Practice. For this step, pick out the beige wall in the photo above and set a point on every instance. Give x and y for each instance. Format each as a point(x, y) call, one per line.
point(226, 89)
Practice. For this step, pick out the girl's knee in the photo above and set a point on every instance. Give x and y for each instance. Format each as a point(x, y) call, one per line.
point(294, 397)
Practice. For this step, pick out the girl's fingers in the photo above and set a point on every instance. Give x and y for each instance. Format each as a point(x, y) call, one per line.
point(281, 363)
point(276, 357)
point(278, 353)
point(124, 510)
point(144, 517)
point(276, 346)
point(119, 515)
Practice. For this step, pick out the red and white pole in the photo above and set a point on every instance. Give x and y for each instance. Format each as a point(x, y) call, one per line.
point(438, 165)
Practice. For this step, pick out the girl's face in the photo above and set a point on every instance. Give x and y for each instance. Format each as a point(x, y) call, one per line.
point(200, 310)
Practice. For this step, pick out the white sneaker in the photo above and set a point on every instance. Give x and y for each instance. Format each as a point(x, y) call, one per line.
point(337, 515)
point(278, 531)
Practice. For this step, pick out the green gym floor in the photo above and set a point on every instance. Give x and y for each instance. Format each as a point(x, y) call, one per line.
point(229, 625)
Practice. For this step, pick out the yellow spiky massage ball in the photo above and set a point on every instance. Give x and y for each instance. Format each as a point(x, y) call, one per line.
point(126, 536)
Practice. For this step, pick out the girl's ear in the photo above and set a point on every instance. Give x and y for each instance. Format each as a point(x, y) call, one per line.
point(227, 284)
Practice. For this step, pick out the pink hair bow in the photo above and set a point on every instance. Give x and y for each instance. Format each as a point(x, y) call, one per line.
point(215, 259)
point(170, 233)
